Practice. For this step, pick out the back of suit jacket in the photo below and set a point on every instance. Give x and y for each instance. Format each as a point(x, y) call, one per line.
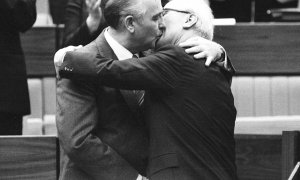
point(189, 109)
point(100, 135)
point(15, 17)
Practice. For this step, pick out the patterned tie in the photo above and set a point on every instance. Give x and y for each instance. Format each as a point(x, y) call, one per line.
point(140, 96)
point(134, 98)
point(138, 93)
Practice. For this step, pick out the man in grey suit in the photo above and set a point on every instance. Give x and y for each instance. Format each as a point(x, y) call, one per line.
point(99, 127)
point(100, 136)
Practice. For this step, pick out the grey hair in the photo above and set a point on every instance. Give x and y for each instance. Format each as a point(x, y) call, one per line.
point(135, 9)
point(205, 24)
point(200, 8)
point(115, 10)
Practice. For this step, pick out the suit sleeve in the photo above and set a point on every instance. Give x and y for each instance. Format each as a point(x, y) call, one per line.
point(18, 14)
point(231, 68)
point(229, 71)
point(226, 65)
point(76, 31)
point(76, 120)
point(161, 70)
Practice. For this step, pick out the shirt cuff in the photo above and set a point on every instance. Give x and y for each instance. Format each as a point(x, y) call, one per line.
point(225, 59)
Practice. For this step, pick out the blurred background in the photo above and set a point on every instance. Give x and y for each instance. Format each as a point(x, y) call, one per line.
point(263, 45)
point(262, 39)
point(263, 48)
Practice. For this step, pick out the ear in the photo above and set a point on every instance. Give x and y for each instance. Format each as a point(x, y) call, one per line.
point(191, 20)
point(128, 21)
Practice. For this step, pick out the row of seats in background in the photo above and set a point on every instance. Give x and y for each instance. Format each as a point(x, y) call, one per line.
point(263, 100)
point(41, 121)
point(42, 89)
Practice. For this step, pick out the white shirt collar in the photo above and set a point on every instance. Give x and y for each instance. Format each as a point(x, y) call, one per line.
point(120, 51)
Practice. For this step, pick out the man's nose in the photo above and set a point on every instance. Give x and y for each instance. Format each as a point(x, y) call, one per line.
point(161, 24)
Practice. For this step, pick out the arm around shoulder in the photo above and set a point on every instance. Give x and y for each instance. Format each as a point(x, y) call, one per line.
point(160, 70)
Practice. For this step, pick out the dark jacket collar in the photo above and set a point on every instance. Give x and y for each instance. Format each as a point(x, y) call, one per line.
point(103, 47)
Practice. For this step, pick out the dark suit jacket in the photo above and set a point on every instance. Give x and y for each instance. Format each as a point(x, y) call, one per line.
point(76, 31)
point(100, 136)
point(15, 16)
point(189, 108)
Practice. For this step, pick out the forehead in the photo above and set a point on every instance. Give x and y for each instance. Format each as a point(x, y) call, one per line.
point(176, 4)
point(153, 7)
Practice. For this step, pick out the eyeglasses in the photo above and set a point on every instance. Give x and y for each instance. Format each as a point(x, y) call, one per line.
point(166, 10)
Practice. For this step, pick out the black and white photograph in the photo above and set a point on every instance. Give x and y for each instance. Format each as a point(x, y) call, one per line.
point(149, 90)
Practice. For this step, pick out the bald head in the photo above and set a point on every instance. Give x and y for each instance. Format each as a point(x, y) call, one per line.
point(201, 10)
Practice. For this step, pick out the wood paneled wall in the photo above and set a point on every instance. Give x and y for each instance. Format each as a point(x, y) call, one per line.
point(262, 49)
point(267, 95)
point(258, 157)
point(255, 49)
point(29, 158)
point(39, 48)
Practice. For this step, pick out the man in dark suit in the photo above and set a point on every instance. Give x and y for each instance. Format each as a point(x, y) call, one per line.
point(189, 109)
point(98, 126)
point(15, 16)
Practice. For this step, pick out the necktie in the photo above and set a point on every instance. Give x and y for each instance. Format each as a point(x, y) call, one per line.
point(138, 93)
point(134, 98)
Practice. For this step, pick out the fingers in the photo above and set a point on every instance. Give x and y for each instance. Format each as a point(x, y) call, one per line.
point(94, 10)
point(188, 44)
point(92, 4)
point(60, 54)
point(73, 48)
point(193, 50)
point(195, 41)
point(69, 48)
point(97, 4)
point(58, 61)
point(59, 57)
point(208, 61)
point(203, 48)
point(88, 3)
point(200, 55)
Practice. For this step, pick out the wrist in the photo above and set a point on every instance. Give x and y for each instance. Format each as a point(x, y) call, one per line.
point(92, 23)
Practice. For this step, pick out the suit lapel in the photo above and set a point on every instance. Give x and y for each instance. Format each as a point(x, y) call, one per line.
point(129, 96)
point(103, 47)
